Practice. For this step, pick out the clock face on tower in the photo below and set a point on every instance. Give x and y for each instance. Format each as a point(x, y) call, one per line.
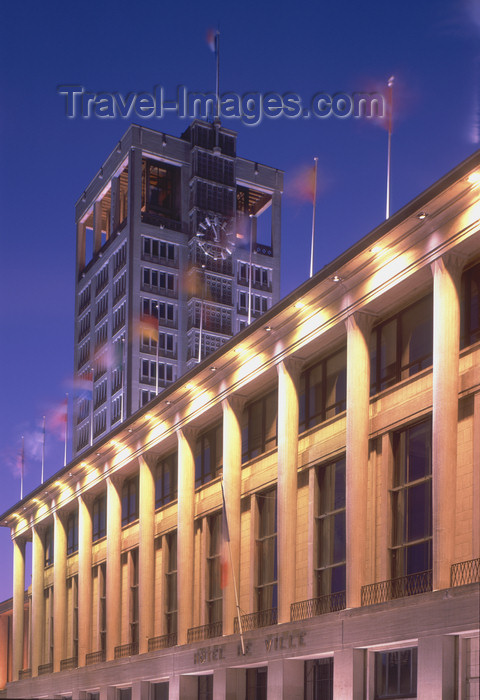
point(216, 236)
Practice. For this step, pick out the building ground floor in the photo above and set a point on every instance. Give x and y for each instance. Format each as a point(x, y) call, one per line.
point(424, 646)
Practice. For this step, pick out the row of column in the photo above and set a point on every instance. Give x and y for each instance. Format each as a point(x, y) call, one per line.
point(446, 328)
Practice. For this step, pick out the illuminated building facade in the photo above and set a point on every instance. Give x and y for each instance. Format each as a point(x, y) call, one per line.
point(344, 426)
point(140, 261)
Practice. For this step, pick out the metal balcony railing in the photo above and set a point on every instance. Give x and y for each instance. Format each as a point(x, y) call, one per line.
point(43, 669)
point(393, 588)
point(126, 650)
point(317, 606)
point(253, 621)
point(94, 657)
point(198, 634)
point(25, 673)
point(163, 642)
point(465, 572)
point(68, 664)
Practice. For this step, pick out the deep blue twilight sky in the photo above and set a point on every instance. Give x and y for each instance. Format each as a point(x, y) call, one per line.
point(46, 160)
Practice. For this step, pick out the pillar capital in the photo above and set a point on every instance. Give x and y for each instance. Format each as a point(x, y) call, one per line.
point(148, 460)
point(187, 433)
point(292, 365)
point(115, 480)
point(451, 263)
point(86, 498)
point(360, 320)
point(236, 402)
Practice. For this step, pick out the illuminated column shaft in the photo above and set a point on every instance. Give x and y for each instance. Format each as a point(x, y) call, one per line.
point(288, 375)
point(446, 342)
point(38, 563)
point(84, 578)
point(59, 590)
point(232, 479)
point(113, 588)
point(185, 540)
point(146, 581)
point(18, 606)
point(358, 400)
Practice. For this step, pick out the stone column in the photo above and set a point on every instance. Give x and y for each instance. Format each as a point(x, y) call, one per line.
point(358, 402)
point(185, 543)
point(436, 668)
point(146, 556)
point(38, 565)
point(84, 577)
point(286, 679)
point(183, 688)
point(288, 376)
point(4, 657)
point(446, 341)
point(348, 674)
point(232, 482)
point(18, 604)
point(114, 535)
point(476, 476)
point(59, 590)
point(229, 683)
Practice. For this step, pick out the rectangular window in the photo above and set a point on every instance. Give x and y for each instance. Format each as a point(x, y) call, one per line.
point(396, 674)
point(323, 390)
point(171, 584)
point(205, 687)
point(470, 307)
point(102, 605)
point(133, 576)
point(214, 580)
point(402, 345)
point(160, 691)
point(160, 184)
point(208, 455)
point(99, 518)
point(330, 529)
point(411, 496)
point(72, 532)
point(259, 429)
point(319, 679)
point(166, 480)
point(130, 501)
point(266, 588)
point(256, 683)
point(48, 545)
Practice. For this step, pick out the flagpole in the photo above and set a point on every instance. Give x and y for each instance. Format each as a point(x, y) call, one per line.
point(43, 451)
point(315, 167)
point(23, 468)
point(250, 272)
point(217, 76)
point(199, 358)
point(66, 429)
point(389, 147)
point(158, 348)
point(239, 617)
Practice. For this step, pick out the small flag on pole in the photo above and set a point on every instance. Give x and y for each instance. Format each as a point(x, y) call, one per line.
point(212, 39)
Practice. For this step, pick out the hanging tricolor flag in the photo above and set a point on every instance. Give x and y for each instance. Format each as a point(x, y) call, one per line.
point(212, 35)
point(83, 384)
point(58, 416)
